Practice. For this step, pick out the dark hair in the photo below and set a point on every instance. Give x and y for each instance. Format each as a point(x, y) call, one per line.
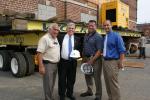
point(108, 20)
point(92, 21)
point(142, 34)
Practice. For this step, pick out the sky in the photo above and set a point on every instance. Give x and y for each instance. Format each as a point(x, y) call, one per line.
point(143, 11)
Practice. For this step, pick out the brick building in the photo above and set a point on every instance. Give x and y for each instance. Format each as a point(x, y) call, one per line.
point(18, 5)
point(132, 13)
point(76, 10)
point(145, 28)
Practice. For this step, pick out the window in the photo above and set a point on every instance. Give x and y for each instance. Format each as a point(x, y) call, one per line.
point(111, 15)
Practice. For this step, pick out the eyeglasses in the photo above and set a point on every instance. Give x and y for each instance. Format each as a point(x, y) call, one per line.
point(55, 43)
point(55, 29)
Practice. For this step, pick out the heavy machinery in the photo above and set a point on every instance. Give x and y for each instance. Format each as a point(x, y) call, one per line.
point(19, 36)
point(117, 12)
point(19, 42)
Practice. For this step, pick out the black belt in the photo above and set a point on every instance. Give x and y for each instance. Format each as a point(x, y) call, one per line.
point(111, 59)
point(48, 62)
point(88, 55)
point(70, 59)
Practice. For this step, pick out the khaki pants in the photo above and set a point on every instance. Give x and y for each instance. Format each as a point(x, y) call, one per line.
point(49, 80)
point(110, 69)
point(97, 66)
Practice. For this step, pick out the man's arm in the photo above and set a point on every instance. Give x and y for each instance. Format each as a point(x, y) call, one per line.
point(40, 62)
point(96, 56)
point(122, 50)
point(99, 46)
point(122, 57)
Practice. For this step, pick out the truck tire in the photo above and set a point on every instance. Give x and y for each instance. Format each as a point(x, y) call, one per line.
point(30, 63)
point(4, 61)
point(18, 65)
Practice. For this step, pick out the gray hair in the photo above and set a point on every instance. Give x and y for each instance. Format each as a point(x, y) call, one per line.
point(52, 25)
point(71, 24)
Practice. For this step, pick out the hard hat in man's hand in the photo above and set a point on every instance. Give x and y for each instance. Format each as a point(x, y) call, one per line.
point(87, 68)
point(75, 54)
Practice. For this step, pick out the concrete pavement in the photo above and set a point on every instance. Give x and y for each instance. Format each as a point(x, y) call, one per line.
point(134, 84)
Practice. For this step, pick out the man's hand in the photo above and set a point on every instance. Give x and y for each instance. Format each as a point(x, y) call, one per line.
point(91, 62)
point(120, 65)
point(40, 62)
point(94, 58)
point(41, 69)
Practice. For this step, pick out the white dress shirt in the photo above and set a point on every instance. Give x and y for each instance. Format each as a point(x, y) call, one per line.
point(105, 46)
point(65, 49)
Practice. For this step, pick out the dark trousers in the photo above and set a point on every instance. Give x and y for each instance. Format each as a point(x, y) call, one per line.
point(66, 77)
point(142, 52)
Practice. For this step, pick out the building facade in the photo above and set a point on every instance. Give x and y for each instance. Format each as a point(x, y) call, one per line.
point(145, 28)
point(75, 10)
point(132, 13)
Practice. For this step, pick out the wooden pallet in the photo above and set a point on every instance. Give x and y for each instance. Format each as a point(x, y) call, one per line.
point(134, 64)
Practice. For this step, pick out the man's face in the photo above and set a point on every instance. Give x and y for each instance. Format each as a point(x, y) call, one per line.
point(91, 27)
point(70, 30)
point(147, 33)
point(107, 26)
point(54, 31)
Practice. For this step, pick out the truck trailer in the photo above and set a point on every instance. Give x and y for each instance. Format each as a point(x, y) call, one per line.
point(18, 43)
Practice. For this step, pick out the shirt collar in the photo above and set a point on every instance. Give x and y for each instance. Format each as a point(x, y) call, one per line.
point(69, 36)
point(50, 36)
point(90, 34)
point(110, 32)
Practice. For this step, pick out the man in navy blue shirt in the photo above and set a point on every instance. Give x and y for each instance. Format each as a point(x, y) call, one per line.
point(113, 54)
point(92, 48)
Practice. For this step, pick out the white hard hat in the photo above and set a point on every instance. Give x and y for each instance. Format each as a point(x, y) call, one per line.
point(75, 54)
point(87, 68)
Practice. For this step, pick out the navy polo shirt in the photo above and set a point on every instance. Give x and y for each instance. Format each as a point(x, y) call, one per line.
point(92, 43)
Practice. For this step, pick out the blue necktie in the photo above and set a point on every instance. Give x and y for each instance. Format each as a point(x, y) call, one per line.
point(69, 46)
